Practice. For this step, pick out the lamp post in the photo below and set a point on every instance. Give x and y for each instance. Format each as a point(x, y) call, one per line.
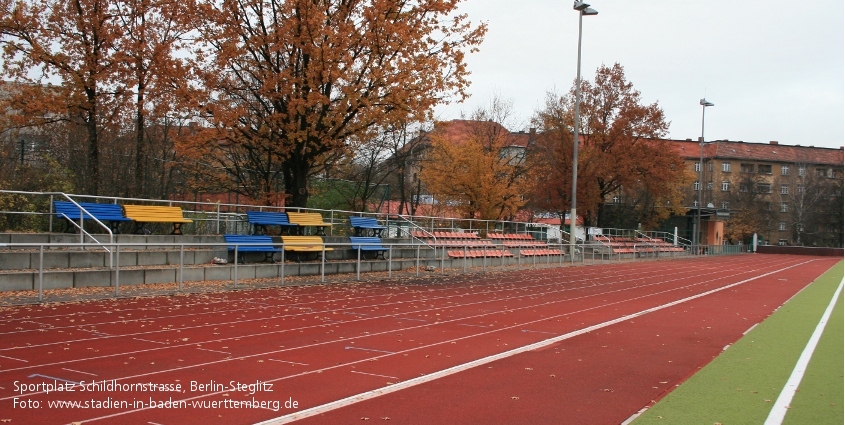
point(695, 236)
point(583, 10)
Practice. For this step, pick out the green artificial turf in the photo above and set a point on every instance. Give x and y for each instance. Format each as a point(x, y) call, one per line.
point(741, 385)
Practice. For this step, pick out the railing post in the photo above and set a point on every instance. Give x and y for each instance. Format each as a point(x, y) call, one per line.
point(358, 264)
point(51, 217)
point(117, 271)
point(218, 219)
point(41, 272)
point(282, 267)
point(418, 260)
point(323, 265)
point(465, 258)
point(390, 261)
point(182, 264)
point(236, 266)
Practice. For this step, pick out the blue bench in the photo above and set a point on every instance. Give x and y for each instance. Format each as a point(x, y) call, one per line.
point(362, 224)
point(374, 245)
point(261, 219)
point(111, 214)
point(268, 249)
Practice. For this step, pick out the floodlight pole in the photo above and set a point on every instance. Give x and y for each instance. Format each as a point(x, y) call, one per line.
point(583, 9)
point(696, 240)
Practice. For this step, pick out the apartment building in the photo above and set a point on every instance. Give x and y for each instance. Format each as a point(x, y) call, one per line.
point(788, 194)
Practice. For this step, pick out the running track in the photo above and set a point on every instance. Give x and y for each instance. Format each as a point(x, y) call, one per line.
point(571, 345)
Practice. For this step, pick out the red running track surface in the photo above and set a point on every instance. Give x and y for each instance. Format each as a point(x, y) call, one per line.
point(572, 345)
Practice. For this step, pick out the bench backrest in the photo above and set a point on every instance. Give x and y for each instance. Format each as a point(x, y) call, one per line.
point(101, 211)
point(306, 219)
point(302, 240)
point(364, 240)
point(248, 239)
point(363, 222)
point(267, 217)
point(147, 213)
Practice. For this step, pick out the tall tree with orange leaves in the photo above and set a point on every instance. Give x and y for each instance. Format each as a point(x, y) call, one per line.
point(154, 33)
point(620, 153)
point(477, 166)
point(285, 83)
point(74, 42)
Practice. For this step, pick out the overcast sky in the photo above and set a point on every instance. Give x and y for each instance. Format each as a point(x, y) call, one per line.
point(774, 69)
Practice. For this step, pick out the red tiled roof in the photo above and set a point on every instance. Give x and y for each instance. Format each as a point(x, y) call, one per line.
point(458, 131)
point(760, 152)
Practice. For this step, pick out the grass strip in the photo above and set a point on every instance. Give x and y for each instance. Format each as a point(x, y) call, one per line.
point(741, 385)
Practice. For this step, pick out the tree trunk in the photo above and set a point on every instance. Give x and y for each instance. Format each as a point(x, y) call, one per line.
point(93, 143)
point(296, 182)
point(140, 188)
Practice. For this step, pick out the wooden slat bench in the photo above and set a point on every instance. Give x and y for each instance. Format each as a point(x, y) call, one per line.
point(362, 225)
point(375, 245)
point(261, 219)
point(111, 214)
point(308, 220)
point(155, 214)
point(304, 244)
point(268, 249)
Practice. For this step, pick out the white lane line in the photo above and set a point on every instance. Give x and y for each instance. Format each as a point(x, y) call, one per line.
point(369, 349)
point(318, 410)
point(285, 361)
point(778, 411)
point(474, 326)
point(12, 358)
point(51, 377)
point(538, 332)
point(214, 351)
point(147, 340)
point(79, 371)
point(750, 329)
point(374, 374)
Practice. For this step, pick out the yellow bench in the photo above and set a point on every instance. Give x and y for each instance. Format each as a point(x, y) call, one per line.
point(299, 244)
point(308, 219)
point(304, 244)
point(155, 214)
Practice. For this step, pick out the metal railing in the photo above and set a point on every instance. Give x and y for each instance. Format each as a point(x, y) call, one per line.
point(400, 256)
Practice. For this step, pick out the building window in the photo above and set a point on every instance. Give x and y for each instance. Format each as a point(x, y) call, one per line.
point(709, 185)
point(743, 187)
point(746, 168)
point(764, 188)
point(695, 203)
point(764, 169)
point(726, 186)
point(799, 189)
point(726, 167)
point(696, 186)
point(697, 166)
point(802, 171)
point(784, 207)
point(824, 172)
point(782, 226)
point(616, 199)
point(724, 205)
point(784, 170)
point(782, 242)
point(784, 189)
